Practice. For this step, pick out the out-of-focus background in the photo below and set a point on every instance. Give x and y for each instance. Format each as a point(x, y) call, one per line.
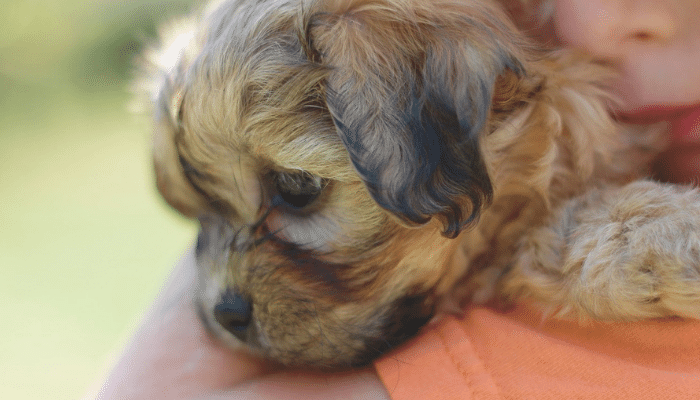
point(85, 242)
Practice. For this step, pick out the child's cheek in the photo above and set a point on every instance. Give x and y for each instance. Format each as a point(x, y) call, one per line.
point(582, 24)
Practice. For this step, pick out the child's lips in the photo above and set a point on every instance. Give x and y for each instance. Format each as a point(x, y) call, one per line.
point(652, 114)
point(684, 121)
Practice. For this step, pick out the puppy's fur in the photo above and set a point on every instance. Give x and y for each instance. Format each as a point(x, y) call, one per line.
point(448, 161)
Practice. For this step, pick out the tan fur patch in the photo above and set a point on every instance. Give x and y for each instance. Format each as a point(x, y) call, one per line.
point(428, 120)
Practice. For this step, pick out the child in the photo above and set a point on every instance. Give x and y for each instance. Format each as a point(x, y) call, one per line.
point(655, 45)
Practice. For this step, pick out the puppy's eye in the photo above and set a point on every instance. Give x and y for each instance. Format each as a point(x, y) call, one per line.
point(298, 189)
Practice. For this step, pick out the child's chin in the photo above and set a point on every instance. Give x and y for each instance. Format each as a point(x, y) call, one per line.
point(679, 164)
point(685, 128)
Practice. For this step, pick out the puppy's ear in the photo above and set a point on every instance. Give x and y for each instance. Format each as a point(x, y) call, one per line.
point(165, 68)
point(410, 91)
point(171, 180)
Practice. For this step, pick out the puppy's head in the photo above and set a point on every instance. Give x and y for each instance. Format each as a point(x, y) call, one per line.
point(331, 150)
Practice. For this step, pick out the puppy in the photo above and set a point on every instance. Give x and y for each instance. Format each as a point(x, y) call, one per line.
point(358, 166)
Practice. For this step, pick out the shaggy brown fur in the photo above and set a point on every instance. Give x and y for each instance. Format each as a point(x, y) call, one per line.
point(357, 166)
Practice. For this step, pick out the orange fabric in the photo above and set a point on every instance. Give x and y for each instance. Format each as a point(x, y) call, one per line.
point(519, 355)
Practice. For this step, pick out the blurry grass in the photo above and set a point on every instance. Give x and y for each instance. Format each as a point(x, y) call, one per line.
point(85, 242)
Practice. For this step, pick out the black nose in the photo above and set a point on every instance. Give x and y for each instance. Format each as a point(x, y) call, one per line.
point(233, 313)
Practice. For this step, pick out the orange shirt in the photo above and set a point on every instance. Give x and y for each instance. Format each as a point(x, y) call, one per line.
point(519, 355)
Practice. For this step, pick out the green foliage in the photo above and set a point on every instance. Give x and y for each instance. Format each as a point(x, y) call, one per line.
point(85, 241)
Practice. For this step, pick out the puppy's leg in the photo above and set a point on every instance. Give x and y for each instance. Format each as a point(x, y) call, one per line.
point(615, 254)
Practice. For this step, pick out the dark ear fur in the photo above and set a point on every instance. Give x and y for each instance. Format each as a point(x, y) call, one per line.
point(410, 93)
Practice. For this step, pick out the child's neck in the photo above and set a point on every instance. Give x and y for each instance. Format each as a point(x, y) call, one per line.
point(681, 161)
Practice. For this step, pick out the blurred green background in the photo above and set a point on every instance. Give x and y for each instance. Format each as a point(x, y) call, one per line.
point(85, 242)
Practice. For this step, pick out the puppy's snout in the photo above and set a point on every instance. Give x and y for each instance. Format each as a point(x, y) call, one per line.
point(233, 312)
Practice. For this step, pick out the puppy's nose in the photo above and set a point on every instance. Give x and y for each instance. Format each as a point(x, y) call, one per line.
point(233, 313)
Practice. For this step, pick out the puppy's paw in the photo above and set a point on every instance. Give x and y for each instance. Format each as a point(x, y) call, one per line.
point(615, 254)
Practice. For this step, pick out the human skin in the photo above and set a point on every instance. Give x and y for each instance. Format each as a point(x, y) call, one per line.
point(654, 44)
point(172, 357)
point(655, 47)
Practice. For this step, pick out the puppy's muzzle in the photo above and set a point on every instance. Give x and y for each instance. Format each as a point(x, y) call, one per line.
point(233, 313)
point(223, 308)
